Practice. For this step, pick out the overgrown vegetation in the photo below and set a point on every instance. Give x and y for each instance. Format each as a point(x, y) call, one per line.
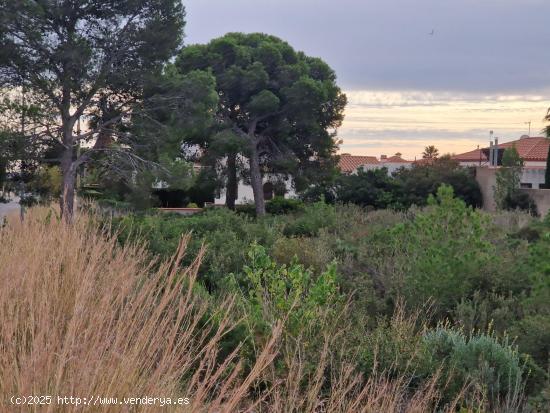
point(446, 292)
point(86, 314)
point(402, 189)
point(508, 177)
point(373, 293)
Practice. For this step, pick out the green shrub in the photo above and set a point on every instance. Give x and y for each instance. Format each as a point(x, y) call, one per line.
point(226, 234)
point(480, 366)
point(315, 253)
point(445, 253)
point(314, 217)
point(281, 205)
point(522, 201)
point(274, 292)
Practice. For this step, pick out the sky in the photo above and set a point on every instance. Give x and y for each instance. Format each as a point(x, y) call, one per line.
point(485, 67)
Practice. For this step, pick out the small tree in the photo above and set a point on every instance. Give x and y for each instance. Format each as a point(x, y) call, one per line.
point(508, 178)
point(547, 172)
point(430, 152)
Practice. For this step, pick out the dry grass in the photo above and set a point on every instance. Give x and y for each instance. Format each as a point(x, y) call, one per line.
point(334, 385)
point(82, 316)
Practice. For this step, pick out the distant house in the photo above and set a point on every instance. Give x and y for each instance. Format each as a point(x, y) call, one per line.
point(349, 164)
point(533, 151)
point(273, 185)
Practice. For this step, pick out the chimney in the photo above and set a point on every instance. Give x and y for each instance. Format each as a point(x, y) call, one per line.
point(491, 148)
point(383, 157)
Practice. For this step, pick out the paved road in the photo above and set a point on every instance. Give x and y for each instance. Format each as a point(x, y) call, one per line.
point(10, 207)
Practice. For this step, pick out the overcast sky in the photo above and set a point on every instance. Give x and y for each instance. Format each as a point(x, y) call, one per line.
point(486, 67)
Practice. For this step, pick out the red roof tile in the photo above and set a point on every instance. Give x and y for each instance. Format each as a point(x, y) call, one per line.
point(349, 163)
point(424, 161)
point(530, 149)
point(472, 156)
point(396, 159)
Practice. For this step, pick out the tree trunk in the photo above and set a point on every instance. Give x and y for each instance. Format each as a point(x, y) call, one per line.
point(231, 192)
point(547, 171)
point(256, 179)
point(68, 189)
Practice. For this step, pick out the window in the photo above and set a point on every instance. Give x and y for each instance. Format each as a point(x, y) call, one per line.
point(525, 185)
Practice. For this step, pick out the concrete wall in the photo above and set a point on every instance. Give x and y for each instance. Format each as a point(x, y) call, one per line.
point(541, 198)
point(486, 177)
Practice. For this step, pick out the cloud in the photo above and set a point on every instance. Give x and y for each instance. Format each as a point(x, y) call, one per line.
point(492, 46)
point(453, 122)
point(487, 66)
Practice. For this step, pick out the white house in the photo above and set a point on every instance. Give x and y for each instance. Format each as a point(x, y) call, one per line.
point(349, 164)
point(245, 195)
point(271, 184)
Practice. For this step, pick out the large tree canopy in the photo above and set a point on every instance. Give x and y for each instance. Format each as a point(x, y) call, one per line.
point(278, 107)
point(85, 62)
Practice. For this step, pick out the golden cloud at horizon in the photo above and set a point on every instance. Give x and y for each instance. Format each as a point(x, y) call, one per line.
point(385, 122)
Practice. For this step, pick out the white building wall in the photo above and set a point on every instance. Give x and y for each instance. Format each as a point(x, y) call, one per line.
point(245, 194)
point(391, 166)
point(473, 163)
point(535, 163)
point(533, 176)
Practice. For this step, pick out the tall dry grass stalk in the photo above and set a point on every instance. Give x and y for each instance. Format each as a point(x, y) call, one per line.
point(84, 317)
point(334, 385)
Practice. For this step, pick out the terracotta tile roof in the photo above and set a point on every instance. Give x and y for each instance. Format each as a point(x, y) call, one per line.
point(530, 149)
point(397, 159)
point(472, 156)
point(423, 161)
point(349, 163)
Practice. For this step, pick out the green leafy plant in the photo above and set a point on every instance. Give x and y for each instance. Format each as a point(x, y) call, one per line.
point(279, 292)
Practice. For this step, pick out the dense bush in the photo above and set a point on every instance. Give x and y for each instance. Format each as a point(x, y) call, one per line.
point(227, 236)
point(404, 188)
point(421, 181)
point(489, 371)
point(272, 292)
point(372, 188)
point(314, 217)
point(445, 253)
point(446, 263)
point(520, 200)
point(281, 205)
